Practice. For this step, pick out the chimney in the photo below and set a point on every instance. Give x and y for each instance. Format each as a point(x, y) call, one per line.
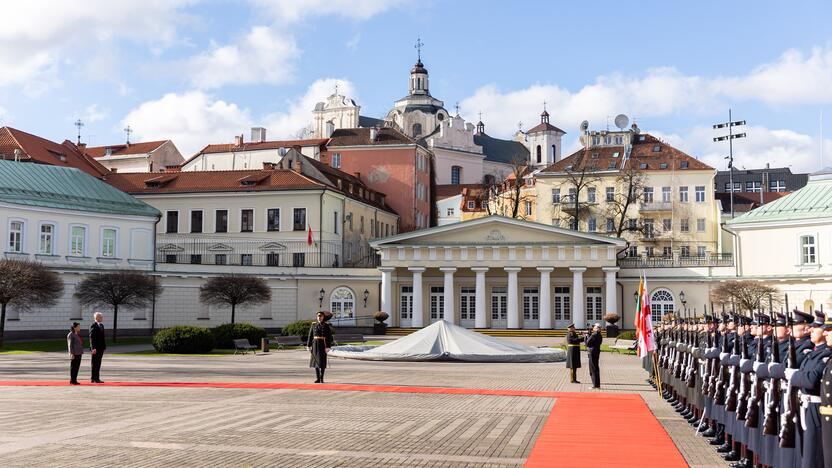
point(768, 166)
point(373, 133)
point(258, 134)
point(115, 169)
point(18, 154)
point(358, 175)
point(82, 147)
point(298, 166)
point(173, 168)
point(238, 140)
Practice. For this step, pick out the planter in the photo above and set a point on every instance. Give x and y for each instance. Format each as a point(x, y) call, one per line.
point(379, 328)
point(612, 331)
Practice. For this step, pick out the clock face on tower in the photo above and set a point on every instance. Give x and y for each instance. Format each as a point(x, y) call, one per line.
point(440, 117)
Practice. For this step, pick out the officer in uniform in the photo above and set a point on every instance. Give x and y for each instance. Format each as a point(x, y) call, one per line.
point(573, 353)
point(318, 343)
point(808, 379)
point(826, 399)
point(709, 355)
point(731, 360)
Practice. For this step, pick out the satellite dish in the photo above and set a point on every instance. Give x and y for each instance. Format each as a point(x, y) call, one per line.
point(621, 121)
point(584, 125)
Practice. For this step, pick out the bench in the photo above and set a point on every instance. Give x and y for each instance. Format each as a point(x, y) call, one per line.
point(626, 345)
point(284, 341)
point(244, 346)
point(347, 338)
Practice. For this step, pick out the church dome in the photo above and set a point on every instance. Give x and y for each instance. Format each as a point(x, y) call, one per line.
point(419, 68)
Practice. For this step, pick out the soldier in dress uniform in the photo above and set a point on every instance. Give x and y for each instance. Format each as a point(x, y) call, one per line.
point(808, 379)
point(826, 399)
point(741, 366)
point(318, 343)
point(573, 352)
point(711, 353)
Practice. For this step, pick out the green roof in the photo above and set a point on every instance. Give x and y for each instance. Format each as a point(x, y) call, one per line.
point(66, 188)
point(810, 202)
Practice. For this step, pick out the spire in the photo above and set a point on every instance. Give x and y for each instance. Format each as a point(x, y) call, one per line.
point(418, 47)
point(480, 125)
point(544, 117)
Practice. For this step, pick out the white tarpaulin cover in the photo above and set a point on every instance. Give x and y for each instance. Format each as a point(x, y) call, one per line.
point(445, 341)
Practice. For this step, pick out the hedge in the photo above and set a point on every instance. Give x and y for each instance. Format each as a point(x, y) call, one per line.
point(627, 335)
point(184, 339)
point(224, 335)
point(299, 329)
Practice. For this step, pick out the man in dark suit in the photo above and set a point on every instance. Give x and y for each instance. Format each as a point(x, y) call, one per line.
point(593, 348)
point(97, 345)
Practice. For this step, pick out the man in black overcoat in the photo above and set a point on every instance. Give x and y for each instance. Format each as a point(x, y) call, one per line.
point(97, 345)
point(593, 348)
point(573, 352)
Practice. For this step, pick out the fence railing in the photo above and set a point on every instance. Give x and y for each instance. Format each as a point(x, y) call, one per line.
point(676, 261)
point(203, 250)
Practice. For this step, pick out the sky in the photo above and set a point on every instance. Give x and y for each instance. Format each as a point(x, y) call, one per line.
point(199, 72)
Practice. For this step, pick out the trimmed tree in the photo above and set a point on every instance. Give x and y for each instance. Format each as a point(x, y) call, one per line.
point(25, 285)
point(745, 295)
point(233, 290)
point(118, 289)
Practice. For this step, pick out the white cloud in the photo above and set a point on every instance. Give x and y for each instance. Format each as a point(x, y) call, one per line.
point(261, 56)
point(298, 113)
point(291, 11)
point(192, 120)
point(92, 114)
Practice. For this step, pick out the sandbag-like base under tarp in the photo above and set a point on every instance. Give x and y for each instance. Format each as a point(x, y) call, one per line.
point(445, 341)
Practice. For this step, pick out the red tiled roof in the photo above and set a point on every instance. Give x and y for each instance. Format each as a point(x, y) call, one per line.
point(256, 146)
point(600, 158)
point(143, 147)
point(40, 150)
point(361, 136)
point(452, 190)
point(212, 181)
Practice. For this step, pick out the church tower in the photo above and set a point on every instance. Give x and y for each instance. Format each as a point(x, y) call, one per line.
point(544, 142)
point(419, 79)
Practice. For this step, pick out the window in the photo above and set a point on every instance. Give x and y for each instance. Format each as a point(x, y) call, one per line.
point(619, 140)
point(483, 205)
point(642, 166)
point(657, 148)
point(335, 222)
point(16, 236)
point(170, 258)
point(662, 165)
point(361, 227)
point(449, 212)
point(684, 225)
point(610, 194)
point(667, 225)
point(172, 222)
point(246, 220)
point(456, 172)
point(221, 221)
point(632, 251)
point(563, 303)
point(196, 221)
point(417, 130)
point(700, 251)
point(538, 153)
point(683, 194)
point(661, 303)
point(299, 219)
point(471, 205)
point(596, 140)
point(667, 252)
point(700, 224)
point(683, 165)
point(556, 195)
point(437, 302)
point(528, 208)
point(336, 160)
point(196, 259)
point(684, 251)
point(220, 259)
point(632, 224)
point(573, 195)
point(777, 186)
point(610, 225)
point(108, 242)
point(648, 194)
point(499, 303)
point(648, 228)
point(531, 304)
point(594, 307)
point(406, 302)
point(649, 251)
point(245, 259)
point(273, 219)
point(342, 304)
point(467, 303)
point(298, 259)
point(753, 186)
point(349, 217)
point(47, 237)
point(77, 241)
point(700, 193)
point(666, 194)
point(737, 186)
point(590, 195)
point(808, 250)
point(591, 224)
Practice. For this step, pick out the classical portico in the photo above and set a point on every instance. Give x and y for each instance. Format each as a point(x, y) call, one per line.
point(498, 272)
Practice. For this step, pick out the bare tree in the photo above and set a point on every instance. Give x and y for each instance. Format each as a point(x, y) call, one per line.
point(578, 180)
point(631, 182)
point(118, 289)
point(745, 295)
point(233, 290)
point(24, 285)
point(302, 133)
point(505, 197)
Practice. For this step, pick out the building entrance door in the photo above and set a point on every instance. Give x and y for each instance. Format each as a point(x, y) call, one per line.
point(406, 306)
point(467, 306)
point(499, 306)
point(562, 307)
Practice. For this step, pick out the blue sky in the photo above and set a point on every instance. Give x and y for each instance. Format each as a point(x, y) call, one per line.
point(200, 71)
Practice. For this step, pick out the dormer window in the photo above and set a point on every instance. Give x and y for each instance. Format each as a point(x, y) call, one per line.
point(108, 152)
point(657, 148)
point(663, 166)
point(616, 154)
point(683, 165)
point(642, 166)
point(568, 168)
point(594, 155)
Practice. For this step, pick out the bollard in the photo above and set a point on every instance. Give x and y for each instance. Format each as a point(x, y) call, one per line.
point(264, 345)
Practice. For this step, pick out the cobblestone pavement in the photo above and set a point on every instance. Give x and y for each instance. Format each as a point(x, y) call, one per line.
point(152, 426)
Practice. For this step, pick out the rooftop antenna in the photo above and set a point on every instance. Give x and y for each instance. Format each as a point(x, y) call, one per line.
point(621, 121)
point(79, 124)
point(730, 124)
point(128, 131)
point(821, 139)
point(457, 108)
point(418, 47)
point(520, 126)
point(480, 115)
point(336, 88)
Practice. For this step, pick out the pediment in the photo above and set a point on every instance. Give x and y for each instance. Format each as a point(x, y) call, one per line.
point(220, 247)
point(272, 247)
point(170, 248)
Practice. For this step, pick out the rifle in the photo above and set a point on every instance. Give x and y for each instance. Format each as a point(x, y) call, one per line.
point(733, 386)
point(720, 390)
point(788, 423)
point(706, 366)
point(752, 416)
point(773, 396)
point(745, 383)
point(677, 355)
point(693, 367)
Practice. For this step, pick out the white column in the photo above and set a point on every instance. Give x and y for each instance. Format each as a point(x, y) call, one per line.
point(578, 294)
point(545, 298)
point(418, 314)
point(611, 291)
point(450, 314)
point(480, 317)
point(387, 290)
point(514, 320)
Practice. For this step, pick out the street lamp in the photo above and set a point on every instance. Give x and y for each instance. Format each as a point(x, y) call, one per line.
point(321, 298)
point(682, 300)
point(366, 295)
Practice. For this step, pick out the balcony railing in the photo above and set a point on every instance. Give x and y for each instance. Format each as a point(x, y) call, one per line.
point(203, 250)
point(676, 261)
point(655, 206)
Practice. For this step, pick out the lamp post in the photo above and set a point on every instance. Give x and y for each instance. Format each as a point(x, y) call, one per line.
point(683, 301)
point(321, 298)
point(366, 296)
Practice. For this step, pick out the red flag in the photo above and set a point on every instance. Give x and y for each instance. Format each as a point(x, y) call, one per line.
point(309, 237)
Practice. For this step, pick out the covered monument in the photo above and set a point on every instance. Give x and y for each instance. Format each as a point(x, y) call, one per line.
point(445, 341)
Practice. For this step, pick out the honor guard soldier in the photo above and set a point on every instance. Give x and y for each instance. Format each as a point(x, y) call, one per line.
point(318, 343)
point(573, 352)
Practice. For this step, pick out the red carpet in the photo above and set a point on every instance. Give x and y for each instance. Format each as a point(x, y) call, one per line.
point(616, 431)
point(586, 429)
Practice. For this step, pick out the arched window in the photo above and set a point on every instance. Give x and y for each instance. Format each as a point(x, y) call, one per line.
point(456, 174)
point(342, 304)
point(538, 154)
point(554, 154)
point(661, 302)
point(417, 129)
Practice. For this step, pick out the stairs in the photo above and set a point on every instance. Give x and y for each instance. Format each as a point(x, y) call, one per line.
point(559, 333)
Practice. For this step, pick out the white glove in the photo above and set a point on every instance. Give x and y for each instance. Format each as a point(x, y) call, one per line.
point(789, 373)
point(758, 366)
